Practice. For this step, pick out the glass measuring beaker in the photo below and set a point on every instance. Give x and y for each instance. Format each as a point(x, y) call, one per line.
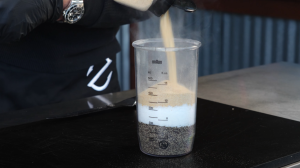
point(166, 85)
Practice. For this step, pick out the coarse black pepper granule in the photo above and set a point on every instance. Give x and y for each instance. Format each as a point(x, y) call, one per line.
point(166, 141)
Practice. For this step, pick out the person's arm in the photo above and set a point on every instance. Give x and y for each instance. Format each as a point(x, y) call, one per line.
point(19, 17)
point(66, 3)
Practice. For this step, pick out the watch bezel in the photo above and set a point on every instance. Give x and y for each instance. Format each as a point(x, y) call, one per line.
point(69, 10)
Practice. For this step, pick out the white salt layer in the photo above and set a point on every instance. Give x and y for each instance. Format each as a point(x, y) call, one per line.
point(178, 116)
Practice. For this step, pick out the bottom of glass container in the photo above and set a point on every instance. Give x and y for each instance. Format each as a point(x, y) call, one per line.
point(166, 155)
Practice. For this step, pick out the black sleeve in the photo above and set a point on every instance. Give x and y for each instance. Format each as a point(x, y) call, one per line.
point(108, 13)
point(19, 17)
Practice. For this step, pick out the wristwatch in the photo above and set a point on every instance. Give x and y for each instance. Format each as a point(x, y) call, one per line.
point(74, 12)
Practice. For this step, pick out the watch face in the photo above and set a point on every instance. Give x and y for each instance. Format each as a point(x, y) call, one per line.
point(74, 13)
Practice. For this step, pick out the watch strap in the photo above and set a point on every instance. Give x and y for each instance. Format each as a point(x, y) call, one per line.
point(66, 11)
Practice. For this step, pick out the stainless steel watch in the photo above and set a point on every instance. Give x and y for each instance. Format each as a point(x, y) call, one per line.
point(74, 12)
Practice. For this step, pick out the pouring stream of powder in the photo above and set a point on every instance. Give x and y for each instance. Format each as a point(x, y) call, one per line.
point(168, 38)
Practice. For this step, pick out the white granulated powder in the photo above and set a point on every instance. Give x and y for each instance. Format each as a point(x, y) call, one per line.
point(170, 105)
point(170, 116)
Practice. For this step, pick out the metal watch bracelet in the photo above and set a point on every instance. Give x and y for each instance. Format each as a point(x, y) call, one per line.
point(74, 12)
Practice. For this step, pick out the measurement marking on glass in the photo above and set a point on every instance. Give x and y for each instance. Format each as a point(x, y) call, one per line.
point(152, 117)
point(163, 120)
point(156, 62)
point(166, 101)
point(153, 87)
point(151, 94)
point(151, 79)
point(151, 108)
point(152, 102)
point(166, 83)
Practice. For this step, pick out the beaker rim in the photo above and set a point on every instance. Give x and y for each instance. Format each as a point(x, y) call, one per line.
point(140, 44)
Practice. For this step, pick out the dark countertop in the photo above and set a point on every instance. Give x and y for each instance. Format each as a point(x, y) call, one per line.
point(225, 137)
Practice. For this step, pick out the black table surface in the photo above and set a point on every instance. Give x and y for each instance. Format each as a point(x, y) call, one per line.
point(225, 137)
